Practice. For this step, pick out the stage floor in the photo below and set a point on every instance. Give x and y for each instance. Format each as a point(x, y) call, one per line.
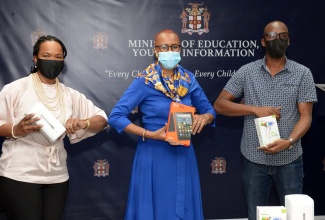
point(322, 217)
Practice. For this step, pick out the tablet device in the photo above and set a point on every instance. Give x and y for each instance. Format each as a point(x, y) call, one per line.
point(183, 122)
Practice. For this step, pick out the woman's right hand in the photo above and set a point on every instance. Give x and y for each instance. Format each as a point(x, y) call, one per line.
point(26, 125)
point(159, 134)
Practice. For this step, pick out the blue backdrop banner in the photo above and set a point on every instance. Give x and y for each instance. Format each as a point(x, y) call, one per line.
point(109, 42)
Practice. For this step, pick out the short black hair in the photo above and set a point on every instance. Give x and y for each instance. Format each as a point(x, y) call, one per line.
point(48, 38)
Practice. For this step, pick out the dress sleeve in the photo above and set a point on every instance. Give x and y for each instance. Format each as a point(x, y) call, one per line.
point(200, 101)
point(129, 101)
point(83, 108)
point(6, 106)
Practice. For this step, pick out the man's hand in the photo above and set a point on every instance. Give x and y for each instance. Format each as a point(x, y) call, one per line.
point(262, 111)
point(276, 146)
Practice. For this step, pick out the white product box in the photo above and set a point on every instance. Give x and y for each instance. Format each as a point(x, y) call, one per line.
point(52, 129)
point(267, 130)
point(271, 213)
point(299, 206)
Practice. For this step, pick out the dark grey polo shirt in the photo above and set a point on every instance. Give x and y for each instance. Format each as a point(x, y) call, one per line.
point(294, 84)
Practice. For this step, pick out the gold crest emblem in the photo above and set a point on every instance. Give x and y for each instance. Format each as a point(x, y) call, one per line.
point(195, 19)
point(100, 41)
point(218, 165)
point(37, 33)
point(101, 168)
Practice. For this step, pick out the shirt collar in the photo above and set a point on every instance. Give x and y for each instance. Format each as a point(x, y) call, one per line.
point(286, 65)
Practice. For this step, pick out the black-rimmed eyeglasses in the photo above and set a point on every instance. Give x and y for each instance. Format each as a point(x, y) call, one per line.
point(273, 35)
point(165, 47)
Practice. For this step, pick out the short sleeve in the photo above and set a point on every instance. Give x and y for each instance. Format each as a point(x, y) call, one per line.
point(307, 89)
point(235, 85)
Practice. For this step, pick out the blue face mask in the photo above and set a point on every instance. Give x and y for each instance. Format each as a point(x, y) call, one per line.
point(169, 59)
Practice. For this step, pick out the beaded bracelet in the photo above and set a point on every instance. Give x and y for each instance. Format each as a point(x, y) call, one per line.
point(143, 138)
point(12, 132)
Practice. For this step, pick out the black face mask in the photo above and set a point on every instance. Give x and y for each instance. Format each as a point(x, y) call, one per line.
point(277, 47)
point(50, 69)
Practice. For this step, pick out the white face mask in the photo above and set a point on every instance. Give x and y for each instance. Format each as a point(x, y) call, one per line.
point(169, 59)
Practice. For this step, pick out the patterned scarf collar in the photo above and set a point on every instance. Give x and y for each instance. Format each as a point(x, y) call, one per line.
point(174, 87)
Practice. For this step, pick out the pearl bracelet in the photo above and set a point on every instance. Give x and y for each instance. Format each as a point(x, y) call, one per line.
point(12, 132)
point(88, 124)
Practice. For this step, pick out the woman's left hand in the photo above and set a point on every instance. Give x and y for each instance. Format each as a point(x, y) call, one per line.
point(198, 123)
point(72, 125)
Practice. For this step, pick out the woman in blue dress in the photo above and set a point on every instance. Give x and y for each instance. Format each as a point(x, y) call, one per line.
point(165, 183)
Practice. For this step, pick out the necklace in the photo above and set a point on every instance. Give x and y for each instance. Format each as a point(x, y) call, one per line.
point(54, 104)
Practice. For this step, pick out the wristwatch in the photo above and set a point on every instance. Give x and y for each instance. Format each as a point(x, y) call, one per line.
point(291, 143)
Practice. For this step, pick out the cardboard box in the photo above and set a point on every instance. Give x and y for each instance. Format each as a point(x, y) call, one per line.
point(52, 129)
point(267, 130)
point(271, 213)
point(179, 125)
